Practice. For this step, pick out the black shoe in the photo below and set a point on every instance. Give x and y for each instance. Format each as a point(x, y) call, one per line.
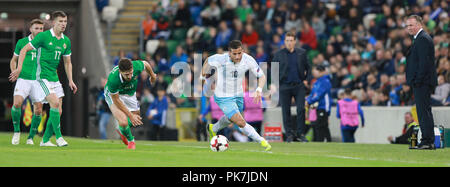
point(290, 139)
point(301, 138)
point(426, 146)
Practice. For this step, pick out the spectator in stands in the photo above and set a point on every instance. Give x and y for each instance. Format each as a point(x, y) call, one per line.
point(250, 36)
point(319, 26)
point(179, 56)
point(237, 30)
point(224, 35)
point(441, 92)
point(149, 28)
point(162, 28)
point(157, 114)
point(143, 82)
point(117, 58)
point(162, 50)
point(308, 39)
point(182, 17)
point(261, 55)
point(406, 95)
point(244, 10)
point(211, 15)
point(293, 22)
point(407, 131)
point(228, 14)
point(259, 12)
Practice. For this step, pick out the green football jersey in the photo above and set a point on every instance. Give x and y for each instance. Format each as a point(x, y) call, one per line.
point(30, 62)
point(50, 50)
point(116, 84)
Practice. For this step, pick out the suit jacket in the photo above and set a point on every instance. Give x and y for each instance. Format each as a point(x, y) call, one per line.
point(420, 62)
point(302, 64)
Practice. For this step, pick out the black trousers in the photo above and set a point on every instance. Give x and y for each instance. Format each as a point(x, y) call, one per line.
point(286, 94)
point(320, 127)
point(422, 96)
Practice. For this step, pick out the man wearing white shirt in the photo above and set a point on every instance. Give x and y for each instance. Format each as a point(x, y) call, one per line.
point(229, 94)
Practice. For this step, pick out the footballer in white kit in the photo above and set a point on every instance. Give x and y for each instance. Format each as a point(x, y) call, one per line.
point(229, 94)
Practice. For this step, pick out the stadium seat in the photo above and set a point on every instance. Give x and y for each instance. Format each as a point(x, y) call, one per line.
point(119, 4)
point(171, 46)
point(109, 13)
point(101, 4)
point(151, 46)
point(179, 34)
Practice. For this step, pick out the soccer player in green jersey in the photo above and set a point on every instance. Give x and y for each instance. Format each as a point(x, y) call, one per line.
point(120, 94)
point(27, 85)
point(51, 45)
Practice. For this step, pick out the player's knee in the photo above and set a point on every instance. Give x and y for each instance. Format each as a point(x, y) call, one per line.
point(241, 123)
point(123, 123)
point(37, 111)
point(54, 104)
point(17, 105)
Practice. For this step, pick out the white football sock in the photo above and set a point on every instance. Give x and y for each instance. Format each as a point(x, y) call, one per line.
point(222, 123)
point(251, 132)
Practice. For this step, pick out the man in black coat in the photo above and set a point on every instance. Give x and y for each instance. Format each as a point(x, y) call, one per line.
point(294, 72)
point(422, 77)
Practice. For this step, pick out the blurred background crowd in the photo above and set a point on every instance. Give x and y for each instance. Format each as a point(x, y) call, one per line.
point(362, 44)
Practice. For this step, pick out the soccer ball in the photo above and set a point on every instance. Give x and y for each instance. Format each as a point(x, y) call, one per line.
point(219, 143)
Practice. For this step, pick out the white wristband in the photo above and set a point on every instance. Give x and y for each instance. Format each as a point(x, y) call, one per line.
point(259, 89)
point(202, 77)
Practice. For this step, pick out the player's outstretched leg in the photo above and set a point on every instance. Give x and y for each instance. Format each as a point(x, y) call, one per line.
point(216, 127)
point(250, 131)
point(125, 130)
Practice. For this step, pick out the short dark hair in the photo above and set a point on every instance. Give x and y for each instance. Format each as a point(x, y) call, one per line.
point(125, 64)
point(417, 18)
point(348, 91)
point(291, 34)
point(320, 68)
point(36, 21)
point(234, 44)
point(58, 13)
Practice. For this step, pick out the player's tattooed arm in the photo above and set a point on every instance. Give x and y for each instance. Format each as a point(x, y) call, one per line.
point(135, 119)
point(149, 70)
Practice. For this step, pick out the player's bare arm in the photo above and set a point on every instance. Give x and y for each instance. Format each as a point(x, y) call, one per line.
point(13, 63)
point(205, 68)
point(68, 68)
point(15, 74)
point(136, 120)
point(258, 92)
point(149, 70)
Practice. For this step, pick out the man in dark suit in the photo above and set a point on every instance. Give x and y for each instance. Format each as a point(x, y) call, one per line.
point(294, 70)
point(422, 77)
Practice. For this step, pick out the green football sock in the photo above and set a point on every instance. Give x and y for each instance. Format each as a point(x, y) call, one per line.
point(126, 131)
point(55, 117)
point(35, 121)
point(48, 131)
point(15, 114)
point(50, 127)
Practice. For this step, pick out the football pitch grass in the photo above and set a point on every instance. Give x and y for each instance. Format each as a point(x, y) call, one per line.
point(83, 152)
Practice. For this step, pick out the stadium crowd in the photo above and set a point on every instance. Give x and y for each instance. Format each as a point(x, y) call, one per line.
point(362, 44)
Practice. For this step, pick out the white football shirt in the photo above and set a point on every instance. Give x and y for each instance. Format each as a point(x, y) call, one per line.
point(230, 75)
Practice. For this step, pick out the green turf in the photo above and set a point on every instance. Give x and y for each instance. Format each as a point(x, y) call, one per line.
point(91, 152)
